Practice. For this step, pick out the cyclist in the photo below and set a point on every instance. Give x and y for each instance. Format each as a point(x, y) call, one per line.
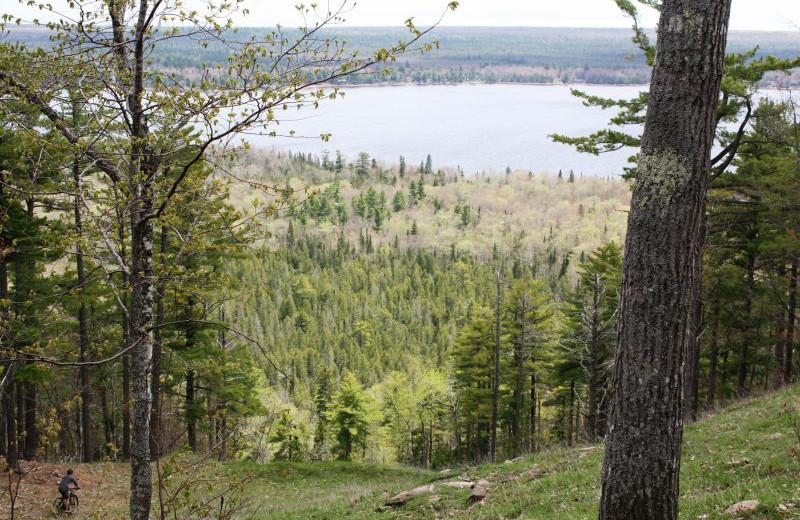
point(63, 486)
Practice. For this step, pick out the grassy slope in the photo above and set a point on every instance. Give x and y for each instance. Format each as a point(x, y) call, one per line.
point(728, 457)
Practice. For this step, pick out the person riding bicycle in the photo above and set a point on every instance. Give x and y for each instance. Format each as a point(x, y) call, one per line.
point(63, 486)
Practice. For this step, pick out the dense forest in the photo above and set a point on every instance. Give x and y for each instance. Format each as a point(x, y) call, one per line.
point(167, 293)
point(397, 285)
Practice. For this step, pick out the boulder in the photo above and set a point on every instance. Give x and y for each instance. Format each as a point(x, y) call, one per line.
point(404, 497)
point(533, 473)
point(480, 491)
point(743, 507)
point(459, 484)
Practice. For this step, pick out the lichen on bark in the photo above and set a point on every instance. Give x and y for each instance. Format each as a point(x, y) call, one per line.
point(660, 177)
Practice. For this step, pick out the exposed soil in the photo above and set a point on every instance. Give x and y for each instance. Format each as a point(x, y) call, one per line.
point(104, 490)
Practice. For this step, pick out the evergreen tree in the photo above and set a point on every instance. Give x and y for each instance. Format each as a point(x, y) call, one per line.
point(288, 435)
point(530, 320)
point(473, 366)
point(590, 331)
point(349, 417)
point(322, 401)
point(398, 202)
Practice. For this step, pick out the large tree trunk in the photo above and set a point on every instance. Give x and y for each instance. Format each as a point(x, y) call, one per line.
point(126, 341)
point(643, 446)
point(141, 320)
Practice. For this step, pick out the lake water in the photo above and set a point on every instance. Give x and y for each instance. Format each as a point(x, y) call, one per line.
point(477, 127)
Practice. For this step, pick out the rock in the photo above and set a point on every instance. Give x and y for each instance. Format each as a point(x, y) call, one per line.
point(445, 471)
point(459, 484)
point(771, 437)
point(533, 473)
point(480, 491)
point(743, 507)
point(512, 461)
point(404, 497)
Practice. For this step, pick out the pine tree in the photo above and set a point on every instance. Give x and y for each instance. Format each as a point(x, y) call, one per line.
point(530, 320)
point(398, 201)
point(322, 399)
point(590, 331)
point(473, 365)
point(349, 417)
point(288, 435)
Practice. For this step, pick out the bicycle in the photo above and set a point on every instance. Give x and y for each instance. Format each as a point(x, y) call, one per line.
point(70, 507)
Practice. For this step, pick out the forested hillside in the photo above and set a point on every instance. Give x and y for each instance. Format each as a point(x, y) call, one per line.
point(380, 267)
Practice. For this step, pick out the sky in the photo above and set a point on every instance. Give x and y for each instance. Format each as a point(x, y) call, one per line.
point(777, 15)
point(746, 14)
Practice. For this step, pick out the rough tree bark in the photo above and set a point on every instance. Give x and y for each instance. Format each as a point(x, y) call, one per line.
point(643, 446)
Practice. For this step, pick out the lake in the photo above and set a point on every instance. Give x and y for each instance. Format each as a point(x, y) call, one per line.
point(476, 127)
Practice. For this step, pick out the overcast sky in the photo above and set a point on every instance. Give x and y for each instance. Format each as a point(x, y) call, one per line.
point(746, 15)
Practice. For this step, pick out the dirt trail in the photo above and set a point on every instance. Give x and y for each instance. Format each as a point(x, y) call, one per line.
point(103, 493)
